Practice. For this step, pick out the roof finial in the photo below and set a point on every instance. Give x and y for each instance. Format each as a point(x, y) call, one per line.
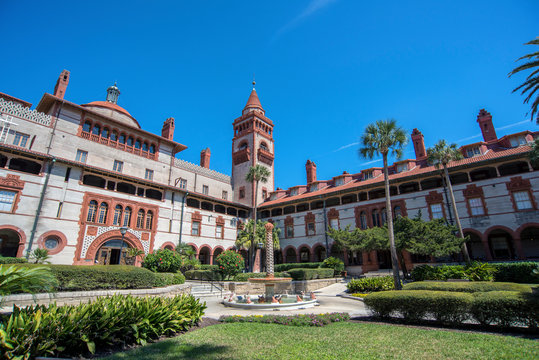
point(254, 82)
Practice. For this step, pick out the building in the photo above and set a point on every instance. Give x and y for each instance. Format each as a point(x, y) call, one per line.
point(87, 182)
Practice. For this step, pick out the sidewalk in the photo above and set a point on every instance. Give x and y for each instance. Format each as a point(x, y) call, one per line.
point(327, 298)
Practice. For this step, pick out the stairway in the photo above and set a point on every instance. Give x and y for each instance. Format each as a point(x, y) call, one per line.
point(206, 289)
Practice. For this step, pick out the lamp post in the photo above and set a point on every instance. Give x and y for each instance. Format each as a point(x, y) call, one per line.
point(123, 231)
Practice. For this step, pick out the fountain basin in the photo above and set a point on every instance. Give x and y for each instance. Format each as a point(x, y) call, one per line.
point(269, 280)
point(286, 305)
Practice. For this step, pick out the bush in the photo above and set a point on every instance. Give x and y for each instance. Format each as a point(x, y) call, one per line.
point(230, 263)
point(470, 287)
point(206, 275)
point(96, 277)
point(163, 260)
point(506, 308)
point(178, 279)
point(371, 284)
point(12, 260)
point(310, 274)
point(62, 331)
point(333, 263)
point(207, 267)
point(288, 266)
point(17, 279)
point(293, 320)
point(520, 272)
point(243, 277)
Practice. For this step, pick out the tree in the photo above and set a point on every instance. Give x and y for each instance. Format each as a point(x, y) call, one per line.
point(40, 256)
point(531, 85)
point(533, 155)
point(379, 139)
point(245, 236)
point(256, 174)
point(230, 263)
point(442, 154)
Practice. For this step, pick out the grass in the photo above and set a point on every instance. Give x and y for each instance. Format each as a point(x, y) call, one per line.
point(334, 341)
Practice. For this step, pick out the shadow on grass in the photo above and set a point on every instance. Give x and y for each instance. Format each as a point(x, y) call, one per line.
point(170, 349)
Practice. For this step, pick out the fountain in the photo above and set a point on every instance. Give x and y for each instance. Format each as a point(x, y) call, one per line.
point(268, 300)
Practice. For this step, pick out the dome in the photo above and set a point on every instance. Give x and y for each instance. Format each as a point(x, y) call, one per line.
point(113, 111)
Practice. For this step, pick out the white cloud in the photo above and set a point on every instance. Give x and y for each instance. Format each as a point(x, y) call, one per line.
point(346, 146)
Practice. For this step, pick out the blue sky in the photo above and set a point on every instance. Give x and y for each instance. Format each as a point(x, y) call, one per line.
point(324, 68)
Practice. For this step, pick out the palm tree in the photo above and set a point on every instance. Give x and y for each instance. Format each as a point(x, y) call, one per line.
point(442, 154)
point(531, 85)
point(381, 138)
point(245, 236)
point(256, 174)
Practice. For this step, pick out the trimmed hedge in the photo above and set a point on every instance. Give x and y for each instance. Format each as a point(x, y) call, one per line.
point(208, 267)
point(288, 266)
point(101, 277)
point(310, 274)
point(470, 287)
point(12, 260)
point(371, 284)
point(166, 279)
point(520, 272)
point(503, 308)
point(207, 275)
point(245, 276)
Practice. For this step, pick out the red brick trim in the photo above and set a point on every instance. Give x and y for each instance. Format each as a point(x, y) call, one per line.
point(196, 217)
point(472, 191)
point(103, 238)
point(220, 222)
point(524, 226)
point(22, 238)
point(434, 198)
point(519, 184)
point(62, 241)
point(288, 221)
point(168, 243)
point(310, 218)
point(12, 183)
point(241, 156)
point(215, 249)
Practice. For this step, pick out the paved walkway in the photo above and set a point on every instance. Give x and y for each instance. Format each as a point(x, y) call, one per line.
point(327, 298)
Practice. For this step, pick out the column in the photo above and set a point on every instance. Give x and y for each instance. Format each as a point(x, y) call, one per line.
point(269, 249)
point(518, 248)
point(486, 246)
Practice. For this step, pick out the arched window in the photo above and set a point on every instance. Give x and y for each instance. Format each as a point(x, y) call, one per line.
point(243, 145)
point(130, 141)
point(145, 146)
point(121, 139)
point(363, 220)
point(127, 216)
point(149, 220)
point(375, 218)
point(92, 210)
point(105, 133)
point(140, 219)
point(117, 215)
point(137, 144)
point(87, 126)
point(103, 209)
point(384, 216)
point(263, 146)
point(397, 211)
point(152, 149)
point(114, 136)
point(96, 130)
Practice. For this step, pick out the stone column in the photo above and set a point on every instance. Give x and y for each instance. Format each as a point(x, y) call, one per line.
point(518, 248)
point(269, 250)
point(486, 246)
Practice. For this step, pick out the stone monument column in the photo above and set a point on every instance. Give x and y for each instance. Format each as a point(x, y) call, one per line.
point(269, 250)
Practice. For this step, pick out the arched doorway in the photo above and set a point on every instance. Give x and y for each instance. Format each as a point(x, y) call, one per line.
point(278, 257)
point(204, 255)
point(529, 238)
point(291, 256)
point(9, 243)
point(216, 253)
point(501, 245)
point(384, 259)
point(112, 252)
point(319, 253)
point(475, 246)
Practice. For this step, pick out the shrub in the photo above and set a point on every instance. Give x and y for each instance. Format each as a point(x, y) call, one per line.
point(207, 267)
point(206, 275)
point(163, 260)
point(230, 263)
point(15, 279)
point(293, 320)
point(310, 274)
point(470, 287)
point(93, 277)
point(519, 272)
point(61, 331)
point(246, 276)
point(506, 308)
point(333, 263)
point(288, 266)
point(12, 260)
point(371, 284)
point(178, 279)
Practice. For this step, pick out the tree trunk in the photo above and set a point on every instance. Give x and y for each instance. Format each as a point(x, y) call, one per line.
point(456, 213)
point(253, 243)
point(403, 265)
point(389, 215)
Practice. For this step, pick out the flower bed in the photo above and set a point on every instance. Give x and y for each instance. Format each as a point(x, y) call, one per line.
point(293, 320)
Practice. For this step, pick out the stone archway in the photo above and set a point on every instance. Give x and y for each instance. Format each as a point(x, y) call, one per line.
point(129, 239)
point(529, 238)
point(13, 241)
point(501, 244)
point(204, 255)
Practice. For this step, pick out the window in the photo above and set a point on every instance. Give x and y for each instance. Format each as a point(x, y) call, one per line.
point(130, 141)
point(219, 231)
point(87, 126)
point(20, 139)
point(334, 223)
point(375, 218)
point(121, 139)
point(476, 206)
point(402, 167)
point(367, 175)
point(114, 136)
point(127, 216)
point(314, 187)
point(81, 156)
point(183, 183)
point(195, 228)
point(118, 166)
point(149, 174)
point(518, 140)
point(7, 198)
point(437, 211)
point(243, 145)
point(205, 189)
point(339, 182)
point(397, 211)
point(140, 219)
point(51, 243)
point(311, 230)
point(384, 216)
point(264, 194)
point(522, 200)
point(242, 193)
point(289, 231)
point(68, 172)
point(263, 146)
point(103, 209)
point(96, 130)
point(294, 192)
point(117, 215)
point(149, 220)
point(105, 133)
point(145, 146)
point(474, 151)
point(92, 210)
point(363, 220)
point(138, 144)
point(225, 195)
point(152, 149)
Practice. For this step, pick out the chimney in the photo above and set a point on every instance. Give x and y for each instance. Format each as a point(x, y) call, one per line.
point(487, 128)
point(205, 158)
point(419, 145)
point(310, 167)
point(61, 84)
point(168, 129)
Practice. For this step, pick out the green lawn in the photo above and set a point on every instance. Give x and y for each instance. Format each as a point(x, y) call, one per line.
point(334, 341)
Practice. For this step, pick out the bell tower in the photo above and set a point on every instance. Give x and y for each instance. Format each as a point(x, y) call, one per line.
point(252, 145)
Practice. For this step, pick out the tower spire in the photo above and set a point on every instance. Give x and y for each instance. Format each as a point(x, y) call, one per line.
point(113, 93)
